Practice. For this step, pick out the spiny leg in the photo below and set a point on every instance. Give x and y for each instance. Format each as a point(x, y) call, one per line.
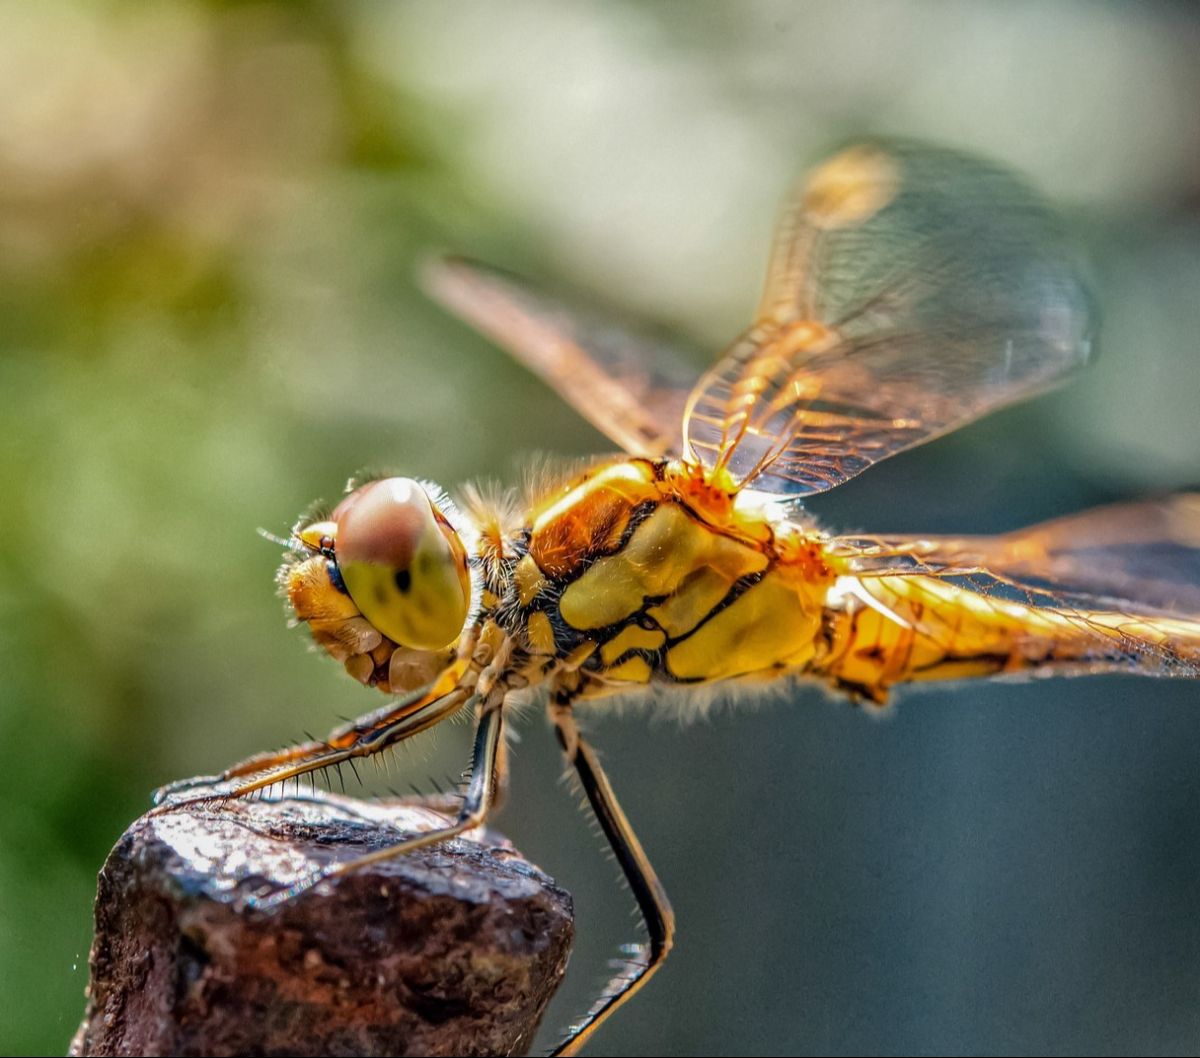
point(410, 720)
point(482, 652)
point(354, 731)
point(651, 899)
point(476, 803)
point(449, 801)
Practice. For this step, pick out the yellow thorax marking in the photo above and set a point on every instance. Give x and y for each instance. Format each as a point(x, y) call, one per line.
point(661, 553)
point(541, 634)
point(529, 580)
point(770, 624)
point(698, 592)
point(632, 638)
point(634, 670)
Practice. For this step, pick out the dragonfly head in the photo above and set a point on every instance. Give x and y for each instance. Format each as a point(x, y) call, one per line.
point(386, 567)
point(402, 562)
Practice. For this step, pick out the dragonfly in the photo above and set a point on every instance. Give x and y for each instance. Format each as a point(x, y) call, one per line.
point(910, 290)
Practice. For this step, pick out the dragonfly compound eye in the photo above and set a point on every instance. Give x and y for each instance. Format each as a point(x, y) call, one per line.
point(403, 564)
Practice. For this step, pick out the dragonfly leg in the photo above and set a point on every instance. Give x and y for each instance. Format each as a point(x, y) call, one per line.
point(375, 739)
point(482, 657)
point(500, 781)
point(647, 889)
point(476, 804)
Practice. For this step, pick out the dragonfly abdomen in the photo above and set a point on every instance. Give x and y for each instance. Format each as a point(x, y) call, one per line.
point(887, 630)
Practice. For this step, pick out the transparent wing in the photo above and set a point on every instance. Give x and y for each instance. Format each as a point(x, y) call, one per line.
point(630, 386)
point(911, 290)
point(1144, 555)
point(1130, 568)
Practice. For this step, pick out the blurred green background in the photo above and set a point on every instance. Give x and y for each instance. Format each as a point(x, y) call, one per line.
point(209, 219)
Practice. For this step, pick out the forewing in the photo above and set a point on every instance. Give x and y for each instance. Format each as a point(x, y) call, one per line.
point(629, 385)
point(911, 290)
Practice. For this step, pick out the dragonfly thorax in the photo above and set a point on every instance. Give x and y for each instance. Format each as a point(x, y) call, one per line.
point(641, 571)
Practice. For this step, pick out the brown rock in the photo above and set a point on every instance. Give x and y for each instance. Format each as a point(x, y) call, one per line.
point(454, 949)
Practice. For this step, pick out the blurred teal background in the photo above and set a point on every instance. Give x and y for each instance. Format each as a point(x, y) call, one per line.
point(210, 215)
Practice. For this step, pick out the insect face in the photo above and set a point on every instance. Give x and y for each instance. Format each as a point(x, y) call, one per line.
point(382, 584)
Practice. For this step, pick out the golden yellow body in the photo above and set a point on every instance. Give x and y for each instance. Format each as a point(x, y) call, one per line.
point(642, 572)
point(658, 575)
point(911, 289)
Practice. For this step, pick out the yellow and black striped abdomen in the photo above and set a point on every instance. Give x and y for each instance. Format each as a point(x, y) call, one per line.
point(627, 578)
point(887, 630)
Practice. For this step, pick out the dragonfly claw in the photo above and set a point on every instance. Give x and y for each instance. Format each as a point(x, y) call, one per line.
point(199, 786)
point(271, 900)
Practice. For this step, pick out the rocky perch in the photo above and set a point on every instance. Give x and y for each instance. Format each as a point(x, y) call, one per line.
point(454, 949)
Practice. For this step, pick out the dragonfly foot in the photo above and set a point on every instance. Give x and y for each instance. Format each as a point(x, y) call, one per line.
point(173, 791)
